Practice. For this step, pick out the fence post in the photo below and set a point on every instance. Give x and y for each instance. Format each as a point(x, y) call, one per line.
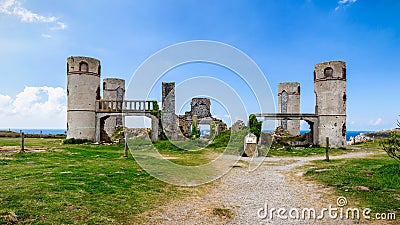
point(327, 149)
point(22, 142)
point(126, 146)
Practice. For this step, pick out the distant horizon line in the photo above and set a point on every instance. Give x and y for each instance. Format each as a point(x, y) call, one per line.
point(6, 129)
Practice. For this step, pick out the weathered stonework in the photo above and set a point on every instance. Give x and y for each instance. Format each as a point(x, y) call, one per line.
point(289, 102)
point(200, 107)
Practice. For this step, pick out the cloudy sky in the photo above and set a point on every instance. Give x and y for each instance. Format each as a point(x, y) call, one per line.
point(285, 38)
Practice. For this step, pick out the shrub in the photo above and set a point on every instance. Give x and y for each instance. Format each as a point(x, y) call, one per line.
point(76, 141)
point(221, 140)
point(392, 145)
point(255, 126)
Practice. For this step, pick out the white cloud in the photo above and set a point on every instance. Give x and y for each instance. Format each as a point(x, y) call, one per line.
point(377, 122)
point(5, 102)
point(344, 3)
point(34, 107)
point(5, 5)
point(47, 36)
point(59, 26)
point(14, 7)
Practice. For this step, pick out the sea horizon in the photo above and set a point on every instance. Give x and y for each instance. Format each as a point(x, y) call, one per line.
point(350, 133)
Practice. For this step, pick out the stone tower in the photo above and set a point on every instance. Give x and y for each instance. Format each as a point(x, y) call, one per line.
point(113, 89)
point(83, 89)
point(289, 102)
point(169, 119)
point(330, 91)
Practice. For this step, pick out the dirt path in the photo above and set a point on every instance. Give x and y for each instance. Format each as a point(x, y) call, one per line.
point(237, 197)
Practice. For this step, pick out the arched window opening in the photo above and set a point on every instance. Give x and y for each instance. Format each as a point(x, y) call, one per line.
point(83, 67)
point(328, 72)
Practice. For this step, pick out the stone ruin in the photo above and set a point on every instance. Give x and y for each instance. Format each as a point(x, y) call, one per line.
point(93, 118)
point(329, 118)
point(200, 113)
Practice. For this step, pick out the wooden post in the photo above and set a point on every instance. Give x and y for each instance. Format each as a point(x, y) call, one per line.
point(126, 146)
point(327, 149)
point(22, 142)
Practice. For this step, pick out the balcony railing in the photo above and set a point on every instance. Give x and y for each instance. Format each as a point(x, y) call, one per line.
point(110, 106)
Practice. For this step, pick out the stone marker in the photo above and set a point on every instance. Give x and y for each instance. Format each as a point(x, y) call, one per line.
point(250, 145)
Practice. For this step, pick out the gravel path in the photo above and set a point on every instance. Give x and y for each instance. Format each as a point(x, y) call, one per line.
point(242, 193)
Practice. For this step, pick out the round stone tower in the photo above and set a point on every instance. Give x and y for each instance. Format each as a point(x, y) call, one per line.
point(83, 89)
point(289, 102)
point(330, 90)
point(113, 89)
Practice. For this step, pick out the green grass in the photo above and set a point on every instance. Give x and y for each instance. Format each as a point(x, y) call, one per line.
point(379, 173)
point(48, 142)
point(77, 184)
point(94, 184)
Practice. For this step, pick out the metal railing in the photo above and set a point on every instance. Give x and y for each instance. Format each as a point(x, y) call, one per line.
point(109, 106)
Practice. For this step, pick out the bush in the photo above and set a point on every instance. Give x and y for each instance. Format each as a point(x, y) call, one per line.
point(118, 134)
point(392, 145)
point(221, 140)
point(76, 141)
point(255, 126)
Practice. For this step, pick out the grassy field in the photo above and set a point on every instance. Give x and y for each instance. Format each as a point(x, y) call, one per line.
point(94, 184)
point(76, 184)
point(372, 182)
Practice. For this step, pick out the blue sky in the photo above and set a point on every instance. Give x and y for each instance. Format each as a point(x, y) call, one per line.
point(285, 39)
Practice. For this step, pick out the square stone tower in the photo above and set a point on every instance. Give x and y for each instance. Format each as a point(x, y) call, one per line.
point(289, 102)
point(330, 91)
point(169, 119)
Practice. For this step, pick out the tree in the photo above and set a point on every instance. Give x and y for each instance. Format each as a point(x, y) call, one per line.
point(195, 133)
point(255, 126)
point(392, 144)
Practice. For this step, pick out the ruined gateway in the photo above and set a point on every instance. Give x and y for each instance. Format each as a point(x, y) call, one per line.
point(94, 118)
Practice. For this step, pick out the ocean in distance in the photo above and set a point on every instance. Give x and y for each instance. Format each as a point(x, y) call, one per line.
point(37, 131)
point(62, 131)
